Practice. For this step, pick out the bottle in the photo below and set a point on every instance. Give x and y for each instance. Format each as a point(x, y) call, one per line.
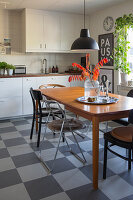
point(56, 69)
point(53, 69)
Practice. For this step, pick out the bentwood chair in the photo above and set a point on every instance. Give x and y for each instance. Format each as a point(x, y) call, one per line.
point(62, 126)
point(41, 112)
point(122, 137)
point(124, 121)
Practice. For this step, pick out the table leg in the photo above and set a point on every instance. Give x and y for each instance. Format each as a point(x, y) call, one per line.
point(36, 116)
point(95, 129)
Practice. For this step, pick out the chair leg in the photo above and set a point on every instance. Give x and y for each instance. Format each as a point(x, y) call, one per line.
point(129, 156)
point(105, 159)
point(39, 132)
point(32, 127)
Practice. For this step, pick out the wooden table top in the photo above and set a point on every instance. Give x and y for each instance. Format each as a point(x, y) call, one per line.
point(68, 95)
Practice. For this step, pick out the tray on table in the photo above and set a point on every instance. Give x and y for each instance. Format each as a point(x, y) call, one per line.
point(101, 100)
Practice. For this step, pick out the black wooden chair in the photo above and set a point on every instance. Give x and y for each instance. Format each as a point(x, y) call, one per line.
point(41, 112)
point(122, 137)
point(124, 121)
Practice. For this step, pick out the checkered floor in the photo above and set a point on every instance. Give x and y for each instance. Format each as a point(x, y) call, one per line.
point(23, 177)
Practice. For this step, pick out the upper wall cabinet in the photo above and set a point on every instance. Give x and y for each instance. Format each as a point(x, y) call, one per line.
point(49, 31)
point(70, 30)
point(34, 32)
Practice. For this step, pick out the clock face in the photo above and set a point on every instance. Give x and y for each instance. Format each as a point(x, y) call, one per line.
point(108, 23)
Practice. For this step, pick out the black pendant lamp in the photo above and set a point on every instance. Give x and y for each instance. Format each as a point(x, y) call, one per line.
point(84, 42)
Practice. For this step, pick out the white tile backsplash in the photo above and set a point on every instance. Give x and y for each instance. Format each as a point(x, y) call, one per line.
point(33, 61)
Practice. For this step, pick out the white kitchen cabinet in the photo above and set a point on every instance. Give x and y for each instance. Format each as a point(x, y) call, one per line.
point(10, 107)
point(34, 31)
point(28, 82)
point(10, 97)
point(52, 33)
point(70, 30)
point(49, 31)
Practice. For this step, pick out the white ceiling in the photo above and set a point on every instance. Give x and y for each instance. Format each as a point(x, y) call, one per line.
point(72, 6)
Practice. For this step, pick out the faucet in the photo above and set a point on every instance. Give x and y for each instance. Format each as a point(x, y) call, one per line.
point(44, 66)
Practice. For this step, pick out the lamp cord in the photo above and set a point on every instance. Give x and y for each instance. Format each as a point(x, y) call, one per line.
point(84, 14)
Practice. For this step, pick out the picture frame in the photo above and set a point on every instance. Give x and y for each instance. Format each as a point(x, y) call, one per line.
point(106, 46)
point(107, 74)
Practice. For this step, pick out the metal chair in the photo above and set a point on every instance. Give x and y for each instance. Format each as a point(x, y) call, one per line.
point(62, 126)
point(122, 137)
point(41, 112)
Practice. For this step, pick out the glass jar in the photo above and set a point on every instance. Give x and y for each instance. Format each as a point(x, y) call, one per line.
point(91, 88)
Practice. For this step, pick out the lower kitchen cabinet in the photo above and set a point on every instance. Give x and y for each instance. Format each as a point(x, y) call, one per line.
point(10, 97)
point(10, 107)
point(15, 99)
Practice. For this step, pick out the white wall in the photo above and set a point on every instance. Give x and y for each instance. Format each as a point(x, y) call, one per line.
point(33, 62)
point(96, 26)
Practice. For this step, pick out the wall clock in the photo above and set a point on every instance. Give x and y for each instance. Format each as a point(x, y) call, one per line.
point(108, 23)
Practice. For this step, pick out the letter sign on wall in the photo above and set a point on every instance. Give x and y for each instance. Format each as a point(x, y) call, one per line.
point(106, 46)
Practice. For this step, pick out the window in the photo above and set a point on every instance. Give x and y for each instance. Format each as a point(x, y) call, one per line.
point(130, 52)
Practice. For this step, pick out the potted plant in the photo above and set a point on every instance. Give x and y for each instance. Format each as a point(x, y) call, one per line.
point(10, 69)
point(121, 48)
point(2, 67)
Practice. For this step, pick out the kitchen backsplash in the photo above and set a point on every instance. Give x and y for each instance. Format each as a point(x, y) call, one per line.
point(33, 62)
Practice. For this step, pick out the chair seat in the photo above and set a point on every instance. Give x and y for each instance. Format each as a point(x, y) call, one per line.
point(74, 124)
point(123, 133)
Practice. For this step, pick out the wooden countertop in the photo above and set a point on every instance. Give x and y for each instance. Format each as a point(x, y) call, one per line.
point(38, 75)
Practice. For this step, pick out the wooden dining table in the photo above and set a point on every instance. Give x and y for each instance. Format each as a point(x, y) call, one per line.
point(96, 113)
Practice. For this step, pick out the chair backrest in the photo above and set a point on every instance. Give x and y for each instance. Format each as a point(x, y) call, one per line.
point(36, 96)
point(50, 86)
point(130, 93)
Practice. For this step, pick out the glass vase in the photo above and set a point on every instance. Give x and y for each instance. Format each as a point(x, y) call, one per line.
point(91, 88)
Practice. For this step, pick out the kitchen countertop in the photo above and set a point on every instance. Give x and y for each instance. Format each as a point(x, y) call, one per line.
point(38, 75)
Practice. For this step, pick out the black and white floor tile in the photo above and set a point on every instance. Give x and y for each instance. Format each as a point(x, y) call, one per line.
point(23, 177)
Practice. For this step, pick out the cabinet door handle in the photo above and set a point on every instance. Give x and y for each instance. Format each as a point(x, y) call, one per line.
point(45, 46)
point(40, 46)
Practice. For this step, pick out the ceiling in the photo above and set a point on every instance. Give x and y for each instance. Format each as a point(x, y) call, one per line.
point(71, 6)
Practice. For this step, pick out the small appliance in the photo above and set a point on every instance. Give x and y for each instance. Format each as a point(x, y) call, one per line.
point(20, 69)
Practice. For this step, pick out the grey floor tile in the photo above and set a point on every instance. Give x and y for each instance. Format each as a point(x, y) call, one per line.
point(66, 151)
point(43, 145)
point(19, 150)
point(4, 153)
point(127, 176)
point(42, 187)
point(14, 142)
point(88, 171)
point(21, 122)
point(128, 198)
point(8, 178)
point(8, 129)
point(61, 165)
point(59, 196)
point(71, 179)
point(25, 132)
point(86, 192)
point(25, 159)
point(15, 192)
point(10, 135)
point(6, 164)
point(31, 172)
point(114, 187)
point(79, 139)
